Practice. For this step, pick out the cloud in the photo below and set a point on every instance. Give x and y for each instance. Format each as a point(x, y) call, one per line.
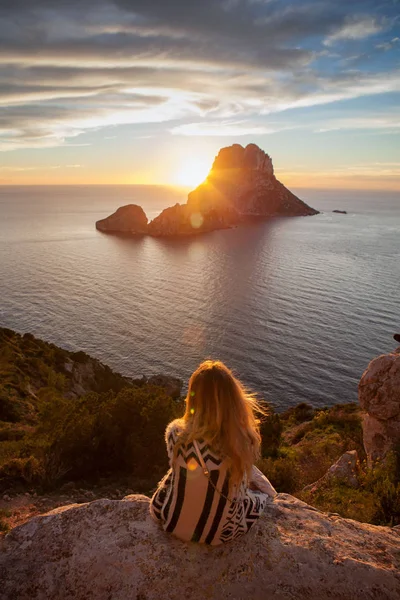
point(211, 67)
point(356, 28)
point(36, 168)
point(223, 129)
point(389, 122)
point(388, 45)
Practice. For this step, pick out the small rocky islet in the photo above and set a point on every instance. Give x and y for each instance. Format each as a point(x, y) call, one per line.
point(241, 186)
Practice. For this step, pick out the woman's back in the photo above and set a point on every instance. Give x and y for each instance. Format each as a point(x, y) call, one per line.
point(199, 507)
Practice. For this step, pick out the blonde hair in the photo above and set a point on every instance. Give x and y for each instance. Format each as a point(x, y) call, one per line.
point(221, 411)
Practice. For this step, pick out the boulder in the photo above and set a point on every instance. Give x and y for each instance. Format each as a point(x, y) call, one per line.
point(343, 470)
point(112, 549)
point(130, 219)
point(379, 397)
point(171, 385)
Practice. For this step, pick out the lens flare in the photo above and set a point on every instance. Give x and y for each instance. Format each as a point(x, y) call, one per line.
point(196, 220)
point(192, 464)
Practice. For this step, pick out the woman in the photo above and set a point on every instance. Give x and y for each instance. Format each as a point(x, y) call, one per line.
point(213, 493)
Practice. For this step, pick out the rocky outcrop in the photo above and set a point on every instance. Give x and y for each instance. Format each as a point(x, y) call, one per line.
point(379, 397)
point(244, 178)
point(340, 212)
point(240, 186)
point(184, 220)
point(171, 385)
point(112, 549)
point(130, 219)
point(343, 470)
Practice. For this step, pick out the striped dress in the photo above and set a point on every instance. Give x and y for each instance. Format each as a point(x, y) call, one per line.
point(195, 509)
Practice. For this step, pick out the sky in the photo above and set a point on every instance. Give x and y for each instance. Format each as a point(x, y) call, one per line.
point(148, 91)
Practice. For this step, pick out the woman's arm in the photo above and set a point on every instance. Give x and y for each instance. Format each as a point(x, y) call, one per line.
point(258, 481)
point(171, 436)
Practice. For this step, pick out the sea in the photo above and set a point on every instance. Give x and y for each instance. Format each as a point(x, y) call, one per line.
point(297, 307)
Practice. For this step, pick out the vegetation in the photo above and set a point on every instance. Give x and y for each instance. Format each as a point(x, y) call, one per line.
point(51, 434)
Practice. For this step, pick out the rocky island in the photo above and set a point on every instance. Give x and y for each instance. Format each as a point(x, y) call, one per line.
point(241, 186)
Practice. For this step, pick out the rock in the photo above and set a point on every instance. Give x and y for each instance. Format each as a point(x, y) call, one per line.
point(172, 385)
point(379, 397)
point(185, 219)
point(112, 549)
point(6, 498)
point(240, 185)
point(69, 486)
point(244, 178)
point(343, 470)
point(89, 374)
point(130, 219)
point(340, 212)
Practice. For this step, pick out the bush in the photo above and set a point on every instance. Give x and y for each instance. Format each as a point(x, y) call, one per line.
point(11, 407)
point(298, 414)
point(384, 482)
point(4, 526)
point(103, 434)
point(377, 500)
point(25, 470)
point(271, 433)
point(282, 472)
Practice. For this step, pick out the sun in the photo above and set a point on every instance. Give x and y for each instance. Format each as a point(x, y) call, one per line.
point(192, 172)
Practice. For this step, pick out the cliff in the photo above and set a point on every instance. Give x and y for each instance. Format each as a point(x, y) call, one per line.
point(245, 178)
point(112, 549)
point(240, 186)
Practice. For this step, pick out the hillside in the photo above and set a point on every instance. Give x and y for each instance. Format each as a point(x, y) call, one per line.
point(72, 429)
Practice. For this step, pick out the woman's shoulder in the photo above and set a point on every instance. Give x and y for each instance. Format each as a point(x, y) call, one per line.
point(173, 430)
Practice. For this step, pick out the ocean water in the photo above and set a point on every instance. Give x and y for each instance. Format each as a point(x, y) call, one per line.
point(297, 306)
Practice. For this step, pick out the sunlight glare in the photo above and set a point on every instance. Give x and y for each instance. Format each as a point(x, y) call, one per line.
point(192, 172)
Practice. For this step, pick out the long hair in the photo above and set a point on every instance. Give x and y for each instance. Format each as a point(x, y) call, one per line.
point(221, 411)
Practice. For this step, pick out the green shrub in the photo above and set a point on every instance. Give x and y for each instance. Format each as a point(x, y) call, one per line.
point(299, 413)
point(103, 434)
point(282, 472)
point(4, 526)
point(12, 409)
point(25, 470)
point(271, 433)
point(383, 481)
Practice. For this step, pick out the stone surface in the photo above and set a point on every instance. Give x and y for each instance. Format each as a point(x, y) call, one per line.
point(113, 550)
point(130, 219)
point(344, 470)
point(172, 385)
point(379, 397)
